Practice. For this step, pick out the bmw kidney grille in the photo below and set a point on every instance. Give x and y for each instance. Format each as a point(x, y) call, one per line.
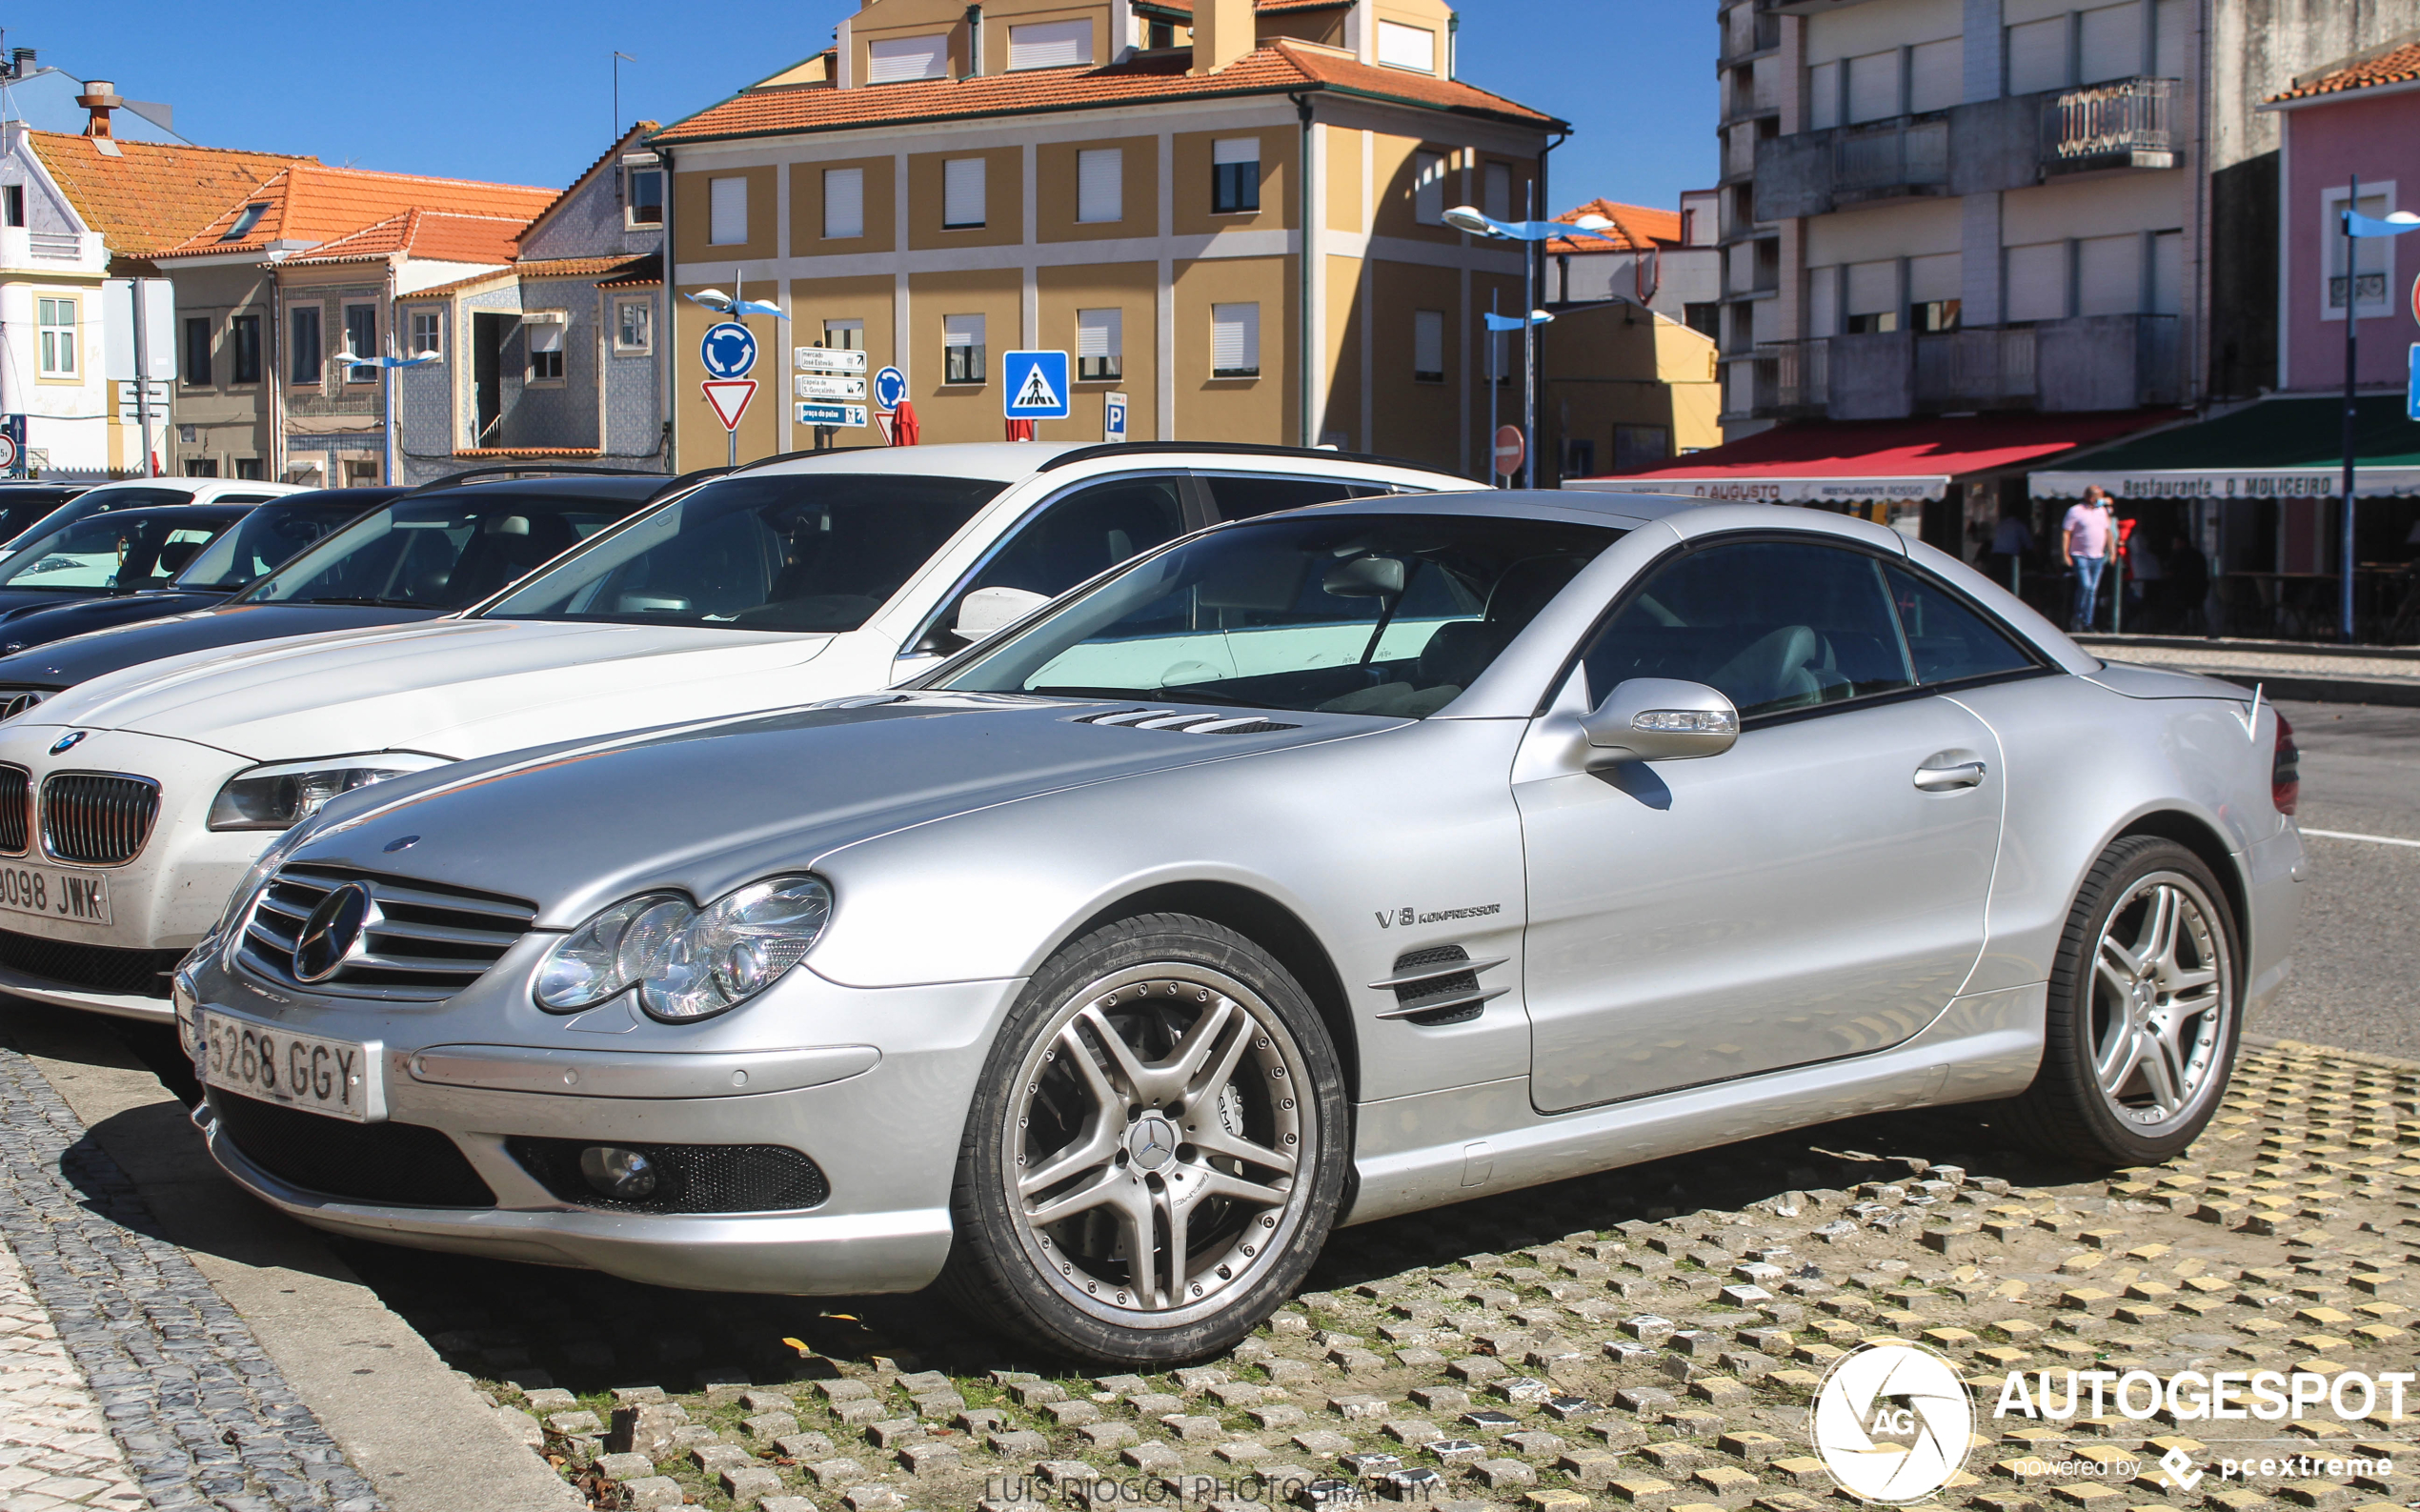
point(16, 809)
point(97, 819)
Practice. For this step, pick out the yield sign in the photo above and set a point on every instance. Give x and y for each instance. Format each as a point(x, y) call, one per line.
point(729, 398)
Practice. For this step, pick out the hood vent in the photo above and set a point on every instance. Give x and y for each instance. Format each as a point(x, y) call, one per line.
point(1186, 723)
point(1439, 986)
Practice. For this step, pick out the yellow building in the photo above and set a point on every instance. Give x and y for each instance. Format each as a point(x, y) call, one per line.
point(1231, 214)
point(1621, 387)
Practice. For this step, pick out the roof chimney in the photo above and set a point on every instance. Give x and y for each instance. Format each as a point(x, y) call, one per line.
point(1223, 32)
point(100, 96)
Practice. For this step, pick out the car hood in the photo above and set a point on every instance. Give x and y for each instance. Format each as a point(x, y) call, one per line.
point(451, 687)
point(39, 624)
point(12, 599)
point(708, 807)
point(93, 652)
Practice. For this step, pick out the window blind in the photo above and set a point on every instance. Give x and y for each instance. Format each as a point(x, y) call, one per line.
point(1936, 75)
point(1100, 186)
point(1822, 97)
point(1934, 278)
point(2038, 57)
point(1428, 344)
point(1822, 301)
point(961, 331)
point(1496, 191)
point(1099, 333)
point(2038, 281)
point(843, 203)
point(1402, 47)
point(2108, 275)
point(1873, 86)
point(1236, 149)
point(546, 337)
point(962, 192)
point(894, 59)
point(1051, 45)
point(1234, 341)
point(2109, 43)
point(726, 212)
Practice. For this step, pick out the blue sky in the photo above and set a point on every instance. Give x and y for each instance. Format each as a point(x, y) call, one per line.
point(508, 91)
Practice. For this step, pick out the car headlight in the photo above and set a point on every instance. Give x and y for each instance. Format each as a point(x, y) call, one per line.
point(687, 962)
point(281, 797)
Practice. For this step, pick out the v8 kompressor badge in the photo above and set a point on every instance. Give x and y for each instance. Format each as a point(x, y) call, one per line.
point(1406, 917)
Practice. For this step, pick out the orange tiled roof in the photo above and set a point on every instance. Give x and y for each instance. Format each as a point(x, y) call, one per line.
point(153, 194)
point(310, 202)
point(436, 235)
point(1275, 68)
point(618, 272)
point(1263, 6)
point(2399, 65)
point(1635, 228)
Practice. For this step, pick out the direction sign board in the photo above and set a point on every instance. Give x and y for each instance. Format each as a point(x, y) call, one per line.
point(1112, 416)
point(828, 359)
point(1036, 386)
point(827, 386)
point(813, 413)
point(728, 350)
point(890, 389)
point(729, 398)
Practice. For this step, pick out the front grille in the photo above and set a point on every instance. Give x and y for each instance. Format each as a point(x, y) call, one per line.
point(95, 968)
point(95, 818)
point(15, 701)
point(16, 793)
point(693, 1178)
point(404, 1164)
point(422, 941)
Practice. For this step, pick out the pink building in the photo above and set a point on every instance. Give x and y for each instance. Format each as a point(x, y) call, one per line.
point(2360, 116)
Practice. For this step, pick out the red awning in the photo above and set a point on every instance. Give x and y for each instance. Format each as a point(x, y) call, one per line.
point(1842, 461)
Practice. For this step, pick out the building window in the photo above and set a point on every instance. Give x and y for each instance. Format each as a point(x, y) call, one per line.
point(1639, 446)
point(963, 194)
point(1402, 47)
point(1051, 45)
point(1704, 318)
point(894, 60)
point(1160, 34)
point(252, 467)
point(428, 334)
point(634, 325)
point(13, 204)
point(843, 203)
point(201, 467)
point(361, 340)
point(1100, 186)
point(1495, 192)
point(302, 330)
point(546, 352)
point(245, 220)
point(2373, 257)
point(1429, 346)
point(2037, 280)
point(361, 475)
point(1100, 344)
point(58, 338)
point(1234, 175)
point(1234, 341)
point(726, 212)
point(1878, 322)
point(1429, 188)
point(844, 335)
point(1933, 315)
point(243, 344)
point(1579, 458)
point(962, 349)
point(197, 352)
point(646, 196)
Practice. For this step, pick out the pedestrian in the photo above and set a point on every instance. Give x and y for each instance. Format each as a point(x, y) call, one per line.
point(2011, 543)
point(2084, 546)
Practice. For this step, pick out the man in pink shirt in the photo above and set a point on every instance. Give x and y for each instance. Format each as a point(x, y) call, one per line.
point(2084, 544)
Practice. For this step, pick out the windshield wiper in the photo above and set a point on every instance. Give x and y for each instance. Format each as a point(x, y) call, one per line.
point(367, 603)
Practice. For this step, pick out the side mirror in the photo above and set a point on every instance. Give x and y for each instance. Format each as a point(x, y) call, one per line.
point(988, 611)
point(1660, 720)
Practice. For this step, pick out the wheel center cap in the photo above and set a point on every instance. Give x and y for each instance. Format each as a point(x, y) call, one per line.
point(1152, 1143)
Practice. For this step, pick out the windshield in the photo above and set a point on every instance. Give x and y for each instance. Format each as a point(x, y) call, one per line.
point(439, 551)
point(116, 552)
point(259, 542)
point(1390, 614)
point(793, 552)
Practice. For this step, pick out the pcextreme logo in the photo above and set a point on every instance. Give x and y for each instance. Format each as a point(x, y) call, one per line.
point(1892, 1423)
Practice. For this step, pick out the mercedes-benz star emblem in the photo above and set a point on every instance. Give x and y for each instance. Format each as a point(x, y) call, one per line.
point(67, 742)
point(1153, 1144)
point(331, 931)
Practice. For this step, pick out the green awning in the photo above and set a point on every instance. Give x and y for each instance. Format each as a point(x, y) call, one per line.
point(2275, 448)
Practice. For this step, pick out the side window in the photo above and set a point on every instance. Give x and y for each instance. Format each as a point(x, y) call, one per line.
point(1774, 625)
point(1240, 498)
point(1946, 641)
point(1087, 532)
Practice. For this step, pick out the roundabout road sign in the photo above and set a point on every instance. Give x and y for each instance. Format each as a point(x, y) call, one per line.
point(890, 388)
point(727, 349)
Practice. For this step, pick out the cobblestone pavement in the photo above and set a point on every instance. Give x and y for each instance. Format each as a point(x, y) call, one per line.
point(200, 1417)
point(1646, 1339)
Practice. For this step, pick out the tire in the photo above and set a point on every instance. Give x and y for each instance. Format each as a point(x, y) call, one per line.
point(2167, 1033)
point(1182, 1127)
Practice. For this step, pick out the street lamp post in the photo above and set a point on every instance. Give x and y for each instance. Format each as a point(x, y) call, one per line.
point(736, 305)
point(2356, 225)
point(387, 388)
point(1528, 233)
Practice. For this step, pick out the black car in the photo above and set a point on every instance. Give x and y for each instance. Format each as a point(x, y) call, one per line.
point(120, 551)
point(25, 501)
point(262, 541)
point(427, 553)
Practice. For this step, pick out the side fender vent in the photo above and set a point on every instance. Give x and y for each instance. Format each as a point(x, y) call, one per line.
point(1438, 985)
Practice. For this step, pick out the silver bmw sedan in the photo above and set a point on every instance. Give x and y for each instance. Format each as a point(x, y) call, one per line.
point(1308, 869)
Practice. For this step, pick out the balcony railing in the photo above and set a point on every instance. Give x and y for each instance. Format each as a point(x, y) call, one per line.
point(62, 246)
point(1895, 157)
point(1801, 371)
point(2121, 124)
point(2372, 288)
point(1961, 369)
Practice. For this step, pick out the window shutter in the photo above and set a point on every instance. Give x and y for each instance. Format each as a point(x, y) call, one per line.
point(2038, 281)
point(1101, 191)
point(726, 213)
point(1873, 288)
point(1822, 301)
point(2170, 21)
point(843, 203)
point(1051, 45)
point(1235, 340)
point(1822, 97)
point(1429, 343)
point(546, 337)
point(1933, 278)
point(1873, 86)
point(1099, 333)
point(2111, 46)
point(1236, 149)
point(1429, 188)
point(961, 331)
point(1496, 191)
point(963, 192)
point(1936, 75)
point(2108, 275)
point(2167, 273)
point(1402, 47)
point(2038, 57)
point(895, 59)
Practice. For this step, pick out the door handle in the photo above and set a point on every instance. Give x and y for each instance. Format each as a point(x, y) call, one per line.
point(1946, 779)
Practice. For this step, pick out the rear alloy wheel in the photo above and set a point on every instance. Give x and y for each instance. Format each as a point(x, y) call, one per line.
point(2143, 1018)
point(1157, 1152)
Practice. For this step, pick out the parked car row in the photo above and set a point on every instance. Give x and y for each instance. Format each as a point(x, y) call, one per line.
point(1086, 876)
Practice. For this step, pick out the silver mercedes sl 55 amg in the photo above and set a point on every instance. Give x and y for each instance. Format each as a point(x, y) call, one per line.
point(1308, 870)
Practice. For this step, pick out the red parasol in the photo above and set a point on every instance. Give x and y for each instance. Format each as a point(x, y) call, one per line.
point(903, 427)
point(1020, 430)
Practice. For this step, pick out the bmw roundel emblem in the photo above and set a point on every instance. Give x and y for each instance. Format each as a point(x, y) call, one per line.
point(67, 742)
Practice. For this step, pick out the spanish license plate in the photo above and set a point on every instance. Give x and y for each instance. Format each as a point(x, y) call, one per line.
point(81, 897)
point(336, 1076)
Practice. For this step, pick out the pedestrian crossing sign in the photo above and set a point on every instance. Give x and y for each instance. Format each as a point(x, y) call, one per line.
point(1036, 385)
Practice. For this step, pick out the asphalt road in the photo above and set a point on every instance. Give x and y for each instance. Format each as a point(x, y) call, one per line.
point(2356, 977)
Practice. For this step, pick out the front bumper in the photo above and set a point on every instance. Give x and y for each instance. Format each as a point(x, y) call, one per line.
point(883, 1123)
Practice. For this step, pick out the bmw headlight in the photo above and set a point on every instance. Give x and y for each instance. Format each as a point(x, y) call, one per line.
point(281, 797)
point(687, 962)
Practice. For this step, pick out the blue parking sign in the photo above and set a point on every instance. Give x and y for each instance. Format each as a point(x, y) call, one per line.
point(1036, 385)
